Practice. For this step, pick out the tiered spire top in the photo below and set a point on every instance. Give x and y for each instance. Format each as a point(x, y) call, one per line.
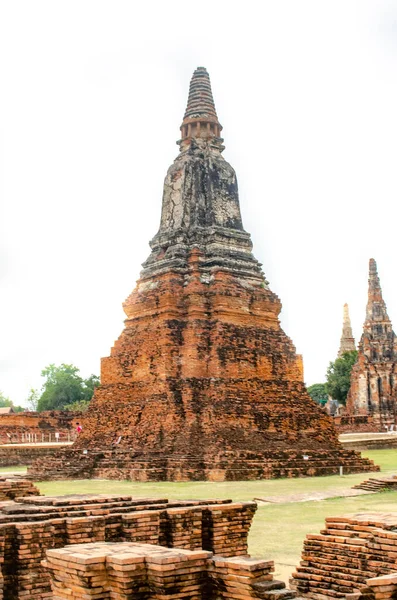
point(200, 102)
point(376, 307)
point(200, 120)
point(347, 342)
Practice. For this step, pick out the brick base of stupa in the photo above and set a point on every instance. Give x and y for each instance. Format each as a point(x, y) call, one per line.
point(127, 464)
point(203, 384)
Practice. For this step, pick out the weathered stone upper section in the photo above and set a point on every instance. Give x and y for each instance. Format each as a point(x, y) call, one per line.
point(378, 341)
point(376, 307)
point(200, 207)
point(347, 342)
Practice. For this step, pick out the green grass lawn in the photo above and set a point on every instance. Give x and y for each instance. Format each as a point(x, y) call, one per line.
point(240, 490)
point(278, 530)
point(17, 469)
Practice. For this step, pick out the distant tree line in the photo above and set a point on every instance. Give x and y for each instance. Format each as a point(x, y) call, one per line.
point(5, 401)
point(63, 389)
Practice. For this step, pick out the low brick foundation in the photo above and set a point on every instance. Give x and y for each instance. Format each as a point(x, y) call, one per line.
point(33, 525)
point(13, 456)
point(71, 463)
point(383, 443)
point(23, 427)
point(357, 424)
point(348, 552)
point(144, 572)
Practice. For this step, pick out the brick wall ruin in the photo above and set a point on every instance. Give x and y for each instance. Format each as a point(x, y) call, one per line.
point(33, 427)
point(32, 525)
point(15, 455)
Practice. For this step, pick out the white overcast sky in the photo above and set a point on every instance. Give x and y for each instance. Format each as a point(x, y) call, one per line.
point(92, 94)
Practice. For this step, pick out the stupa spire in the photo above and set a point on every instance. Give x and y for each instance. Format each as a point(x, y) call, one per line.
point(200, 206)
point(347, 342)
point(203, 384)
point(376, 307)
point(200, 119)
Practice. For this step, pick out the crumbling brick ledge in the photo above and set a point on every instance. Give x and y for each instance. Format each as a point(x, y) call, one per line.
point(33, 525)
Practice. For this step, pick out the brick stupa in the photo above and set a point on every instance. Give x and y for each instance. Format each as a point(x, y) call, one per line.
point(203, 383)
point(373, 383)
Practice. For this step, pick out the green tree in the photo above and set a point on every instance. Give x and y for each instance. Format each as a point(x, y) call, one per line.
point(338, 376)
point(5, 401)
point(64, 387)
point(318, 392)
point(33, 399)
point(81, 405)
point(89, 386)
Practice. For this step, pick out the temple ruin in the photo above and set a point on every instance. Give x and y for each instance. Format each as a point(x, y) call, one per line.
point(373, 388)
point(202, 384)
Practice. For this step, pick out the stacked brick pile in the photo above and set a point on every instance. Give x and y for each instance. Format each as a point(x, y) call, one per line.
point(350, 550)
point(203, 384)
point(12, 487)
point(143, 572)
point(380, 484)
point(183, 527)
point(378, 588)
point(227, 526)
point(237, 578)
point(141, 526)
point(30, 526)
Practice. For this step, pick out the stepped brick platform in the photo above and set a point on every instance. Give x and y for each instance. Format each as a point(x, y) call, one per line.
point(144, 572)
point(32, 525)
point(378, 485)
point(14, 486)
point(203, 383)
point(72, 463)
point(348, 552)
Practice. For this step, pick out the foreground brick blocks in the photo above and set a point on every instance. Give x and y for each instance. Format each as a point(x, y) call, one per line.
point(33, 525)
point(347, 555)
point(15, 486)
point(142, 571)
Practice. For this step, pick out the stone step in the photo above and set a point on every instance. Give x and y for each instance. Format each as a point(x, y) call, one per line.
point(266, 586)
